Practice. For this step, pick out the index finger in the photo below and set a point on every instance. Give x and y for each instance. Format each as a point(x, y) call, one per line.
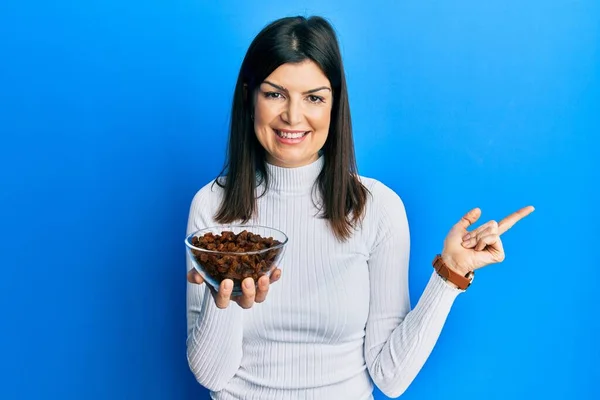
point(513, 218)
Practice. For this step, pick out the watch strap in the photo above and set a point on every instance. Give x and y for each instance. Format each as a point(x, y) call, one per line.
point(462, 282)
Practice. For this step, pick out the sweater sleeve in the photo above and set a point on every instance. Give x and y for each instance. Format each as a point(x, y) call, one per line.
point(214, 336)
point(398, 340)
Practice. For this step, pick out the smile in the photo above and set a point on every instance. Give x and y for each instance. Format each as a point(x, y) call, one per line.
point(291, 134)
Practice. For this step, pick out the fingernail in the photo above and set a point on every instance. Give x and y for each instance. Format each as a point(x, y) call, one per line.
point(467, 237)
point(248, 284)
point(227, 284)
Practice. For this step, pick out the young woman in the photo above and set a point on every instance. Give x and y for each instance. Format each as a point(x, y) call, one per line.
point(338, 320)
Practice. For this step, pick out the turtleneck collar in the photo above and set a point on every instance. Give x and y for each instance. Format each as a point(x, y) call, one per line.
point(296, 179)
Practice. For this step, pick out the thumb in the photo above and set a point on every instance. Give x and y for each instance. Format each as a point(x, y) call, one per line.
point(469, 218)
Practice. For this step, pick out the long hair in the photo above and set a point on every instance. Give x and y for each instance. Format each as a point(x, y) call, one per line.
point(292, 40)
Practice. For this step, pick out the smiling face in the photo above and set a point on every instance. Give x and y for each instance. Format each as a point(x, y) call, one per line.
point(292, 114)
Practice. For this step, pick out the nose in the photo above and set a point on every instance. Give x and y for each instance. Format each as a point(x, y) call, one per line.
point(292, 114)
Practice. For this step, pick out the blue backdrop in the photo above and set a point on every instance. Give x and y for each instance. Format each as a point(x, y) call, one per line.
point(113, 114)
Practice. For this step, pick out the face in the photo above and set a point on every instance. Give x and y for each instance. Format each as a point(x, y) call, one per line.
point(292, 114)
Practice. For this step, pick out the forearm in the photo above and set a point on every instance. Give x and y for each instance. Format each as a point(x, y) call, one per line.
point(411, 342)
point(214, 343)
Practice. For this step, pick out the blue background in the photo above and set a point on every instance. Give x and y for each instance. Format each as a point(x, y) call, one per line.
point(113, 114)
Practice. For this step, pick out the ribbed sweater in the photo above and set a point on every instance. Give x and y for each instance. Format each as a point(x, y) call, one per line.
point(337, 322)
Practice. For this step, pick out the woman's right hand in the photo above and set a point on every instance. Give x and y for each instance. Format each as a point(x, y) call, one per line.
point(251, 294)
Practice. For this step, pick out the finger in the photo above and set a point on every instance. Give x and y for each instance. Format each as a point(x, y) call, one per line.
point(224, 295)
point(474, 240)
point(488, 240)
point(248, 293)
point(275, 275)
point(483, 242)
point(194, 277)
point(493, 248)
point(469, 218)
point(515, 217)
point(262, 290)
point(476, 232)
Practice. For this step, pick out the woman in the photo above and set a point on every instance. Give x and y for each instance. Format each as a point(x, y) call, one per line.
point(339, 319)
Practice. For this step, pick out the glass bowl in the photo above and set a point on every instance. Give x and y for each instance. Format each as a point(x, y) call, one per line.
point(235, 252)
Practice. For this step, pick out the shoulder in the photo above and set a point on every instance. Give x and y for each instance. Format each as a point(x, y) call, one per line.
point(381, 195)
point(386, 214)
point(205, 202)
point(209, 192)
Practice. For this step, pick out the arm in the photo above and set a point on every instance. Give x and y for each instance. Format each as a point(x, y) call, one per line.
point(214, 336)
point(398, 341)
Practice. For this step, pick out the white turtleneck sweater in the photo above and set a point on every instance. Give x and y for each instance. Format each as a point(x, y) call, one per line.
point(338, 321)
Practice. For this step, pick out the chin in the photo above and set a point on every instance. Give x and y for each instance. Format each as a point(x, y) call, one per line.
point(291, 162)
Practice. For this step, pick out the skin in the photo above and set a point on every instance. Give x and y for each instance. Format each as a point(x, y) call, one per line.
point(298, 97)
point(466, 251)
point(295, 97)
point(251, 293)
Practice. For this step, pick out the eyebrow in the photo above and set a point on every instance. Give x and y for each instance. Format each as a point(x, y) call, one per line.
point(307, 92)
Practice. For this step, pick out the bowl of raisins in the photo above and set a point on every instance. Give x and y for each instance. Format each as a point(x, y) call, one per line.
point(235, 252)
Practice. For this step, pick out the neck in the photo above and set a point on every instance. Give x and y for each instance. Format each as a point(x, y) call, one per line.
point(295, 179)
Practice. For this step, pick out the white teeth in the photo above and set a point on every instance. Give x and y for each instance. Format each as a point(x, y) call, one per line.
point(287, 135)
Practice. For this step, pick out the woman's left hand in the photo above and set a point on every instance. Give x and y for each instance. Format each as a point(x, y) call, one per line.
point(467, 251)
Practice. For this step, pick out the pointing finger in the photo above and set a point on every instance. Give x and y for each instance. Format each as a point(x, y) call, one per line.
point(512, 219)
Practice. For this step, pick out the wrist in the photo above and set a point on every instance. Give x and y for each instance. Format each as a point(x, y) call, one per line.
point(454, 266)
point(451, 272)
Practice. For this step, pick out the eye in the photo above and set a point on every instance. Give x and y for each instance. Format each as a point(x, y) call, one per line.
point(315, 99)
point(273, 95)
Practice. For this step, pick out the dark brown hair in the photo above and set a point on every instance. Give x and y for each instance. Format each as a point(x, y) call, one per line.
point(292, 40)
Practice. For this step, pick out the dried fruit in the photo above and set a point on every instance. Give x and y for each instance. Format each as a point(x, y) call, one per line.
point(229, 265)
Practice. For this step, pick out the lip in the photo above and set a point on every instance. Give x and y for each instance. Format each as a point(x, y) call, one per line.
point(290, 141)
point(291, 131)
